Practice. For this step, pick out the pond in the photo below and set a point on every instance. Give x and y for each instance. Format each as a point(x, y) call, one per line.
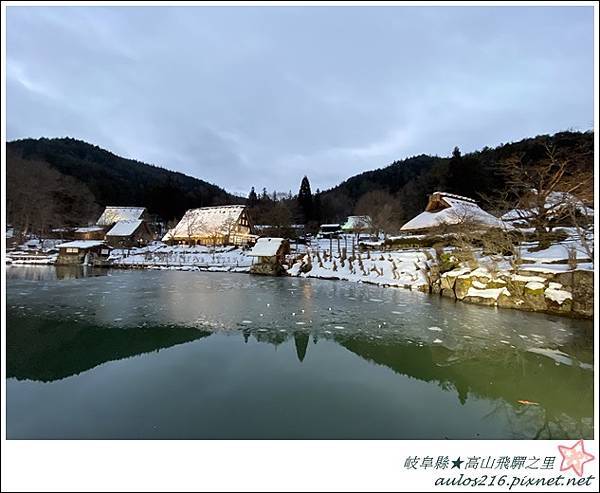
point(115, 354)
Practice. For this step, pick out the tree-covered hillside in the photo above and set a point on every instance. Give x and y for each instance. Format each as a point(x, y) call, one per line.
point(110, 179)
point(56, 182)
point(477, 174)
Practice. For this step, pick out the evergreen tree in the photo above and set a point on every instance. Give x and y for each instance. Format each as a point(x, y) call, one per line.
point(252, 198)
point(274, 196)
point(316, 209)
point(455, 176)
point(305, 200)
point(265, 195)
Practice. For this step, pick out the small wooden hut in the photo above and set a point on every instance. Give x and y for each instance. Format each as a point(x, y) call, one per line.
point(270, 253)
point(88, 252)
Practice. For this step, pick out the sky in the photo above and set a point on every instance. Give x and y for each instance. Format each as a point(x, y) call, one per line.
point(261, 96)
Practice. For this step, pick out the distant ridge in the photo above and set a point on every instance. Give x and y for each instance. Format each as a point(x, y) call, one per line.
point(114, 180)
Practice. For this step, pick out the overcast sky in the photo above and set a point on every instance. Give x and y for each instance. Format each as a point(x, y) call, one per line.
point(261, 96)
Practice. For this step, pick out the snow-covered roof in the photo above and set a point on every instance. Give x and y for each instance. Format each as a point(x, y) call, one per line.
point(83, 244)
point(124, 228)
point(446, 195)
point(207, 221)
point(554, 202)
point(357, 222)
point(88, 229)
point(460, 210)
point(334, 225)
point(266, 247)
point(112, 214)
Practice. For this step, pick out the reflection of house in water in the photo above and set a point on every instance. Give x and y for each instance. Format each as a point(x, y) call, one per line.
point(47, 350)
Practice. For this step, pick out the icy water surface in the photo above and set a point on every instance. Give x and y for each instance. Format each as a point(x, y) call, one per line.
point(166, 354)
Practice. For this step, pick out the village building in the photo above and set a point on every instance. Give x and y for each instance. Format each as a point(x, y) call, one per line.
point(357, 224)
point(10, 237)
point(129, 233)
point(560, 206)
point(213, 226)
point(326, 230)
point(113, 214)
point(449, 210)
point(89, 233)
point(64, 233)
point(83, 252)
point(270, 253)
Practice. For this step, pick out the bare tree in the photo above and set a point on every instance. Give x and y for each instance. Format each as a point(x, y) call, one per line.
point(194, 226)
point(539, 193)
point(40, 198)
point(382, 209)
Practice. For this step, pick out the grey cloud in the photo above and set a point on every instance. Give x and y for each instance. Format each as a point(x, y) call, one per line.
point(262, 96)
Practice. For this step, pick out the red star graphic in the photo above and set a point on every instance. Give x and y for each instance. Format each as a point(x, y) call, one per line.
point(574, 457)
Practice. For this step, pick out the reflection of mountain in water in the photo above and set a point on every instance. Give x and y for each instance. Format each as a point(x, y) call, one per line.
point(564, 393)
point(558, 390)
point(47, 350)
point(276, 338)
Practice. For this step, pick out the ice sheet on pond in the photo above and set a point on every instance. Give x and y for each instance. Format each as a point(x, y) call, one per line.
point(231, 303)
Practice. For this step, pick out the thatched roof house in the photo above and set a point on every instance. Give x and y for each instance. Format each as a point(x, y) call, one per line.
point(356, 224)
point(447, 209)
point(114, 214)
point(219, 225)
point(558, 206)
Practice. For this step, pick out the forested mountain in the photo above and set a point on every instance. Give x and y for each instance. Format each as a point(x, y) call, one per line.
point(76, 172)
point(55, 182)
point(477, 174)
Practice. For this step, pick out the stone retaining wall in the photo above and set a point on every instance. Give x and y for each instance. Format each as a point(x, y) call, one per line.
point(569, 293)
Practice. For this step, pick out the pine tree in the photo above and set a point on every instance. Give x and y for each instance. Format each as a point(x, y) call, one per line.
point(252, 198)
point(316, 206)
point(305, 200)
point(455, 173)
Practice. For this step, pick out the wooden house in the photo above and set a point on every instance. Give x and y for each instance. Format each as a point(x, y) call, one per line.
point(89, 233)
point(270, 253)
point(357, 224)
point(83, 252)
point(220, 225)
point(327, 230)
point(446, 210)
point(560, 208)
point(129, 233)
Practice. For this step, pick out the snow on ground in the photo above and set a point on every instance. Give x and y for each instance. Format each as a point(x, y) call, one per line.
point(555, 253)
point(401, 269)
